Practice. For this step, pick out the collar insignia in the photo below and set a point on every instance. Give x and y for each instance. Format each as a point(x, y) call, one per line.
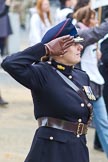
point(60, 67)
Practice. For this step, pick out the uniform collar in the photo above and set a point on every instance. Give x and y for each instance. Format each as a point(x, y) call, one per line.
point(67, 70)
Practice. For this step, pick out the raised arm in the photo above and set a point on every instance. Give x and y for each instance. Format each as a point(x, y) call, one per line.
point(19, 65)
point(24, 66)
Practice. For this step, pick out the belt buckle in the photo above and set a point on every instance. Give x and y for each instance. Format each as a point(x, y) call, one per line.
point(80, 128)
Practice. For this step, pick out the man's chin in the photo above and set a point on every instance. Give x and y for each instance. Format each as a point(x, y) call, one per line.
point(78, 61)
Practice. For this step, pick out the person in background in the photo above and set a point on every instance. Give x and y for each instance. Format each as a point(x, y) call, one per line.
point(5, 29)
point(89, 62)
point(103, 66)
point(24, 6)
point(68, 8)
point(61, 135)
point(104, 69)
point(64, 11)
point(4, 11)
point(40, 21)
point(95, 35)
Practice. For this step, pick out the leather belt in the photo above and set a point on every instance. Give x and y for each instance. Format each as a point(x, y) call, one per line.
point(78, 128)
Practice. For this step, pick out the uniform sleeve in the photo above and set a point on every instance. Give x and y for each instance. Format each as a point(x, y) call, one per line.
point(20, 65)
point(94, 34)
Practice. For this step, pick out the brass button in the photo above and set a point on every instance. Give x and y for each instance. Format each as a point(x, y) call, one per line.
point(70, 76)
point(51, 138)
point(79, 120)
point(82, 104)
point(78, 135)
point(89, 105)
point(49, 62)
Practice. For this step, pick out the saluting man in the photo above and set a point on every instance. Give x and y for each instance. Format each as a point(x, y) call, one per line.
point(61, 94)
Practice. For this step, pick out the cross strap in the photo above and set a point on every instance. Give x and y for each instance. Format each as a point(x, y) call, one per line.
point(79, 92)
point(73, 86)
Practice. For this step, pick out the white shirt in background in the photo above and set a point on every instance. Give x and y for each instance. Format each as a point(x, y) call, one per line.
point(37, 28)
point(89, 63)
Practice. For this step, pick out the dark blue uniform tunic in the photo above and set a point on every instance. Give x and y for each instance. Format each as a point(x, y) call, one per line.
point(52, 97)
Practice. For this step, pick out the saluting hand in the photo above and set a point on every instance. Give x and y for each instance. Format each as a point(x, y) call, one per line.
point(59, 45)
